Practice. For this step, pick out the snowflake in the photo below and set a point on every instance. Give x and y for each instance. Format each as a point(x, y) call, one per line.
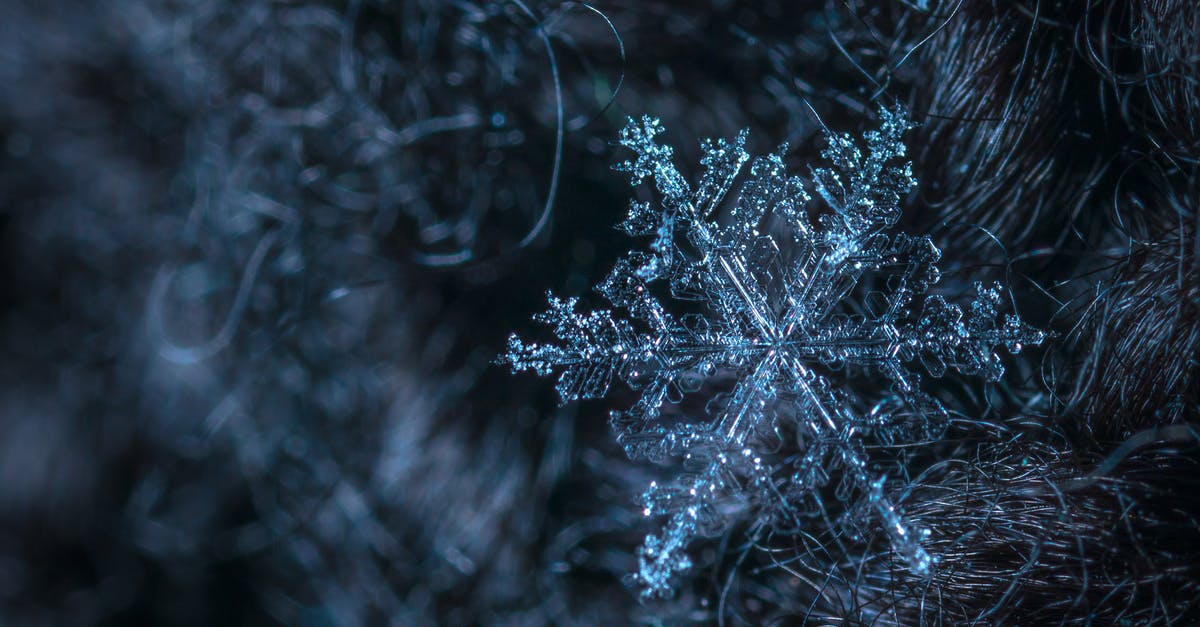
point(790, 313)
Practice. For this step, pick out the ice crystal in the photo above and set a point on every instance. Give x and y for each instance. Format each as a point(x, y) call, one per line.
point(781, 330)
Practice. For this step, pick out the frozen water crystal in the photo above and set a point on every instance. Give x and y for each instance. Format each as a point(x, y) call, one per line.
point(790, 311)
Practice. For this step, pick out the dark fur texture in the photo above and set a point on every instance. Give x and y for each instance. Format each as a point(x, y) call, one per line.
point(258, 258)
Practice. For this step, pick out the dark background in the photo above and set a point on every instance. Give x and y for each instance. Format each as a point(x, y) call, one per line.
point(258, 258)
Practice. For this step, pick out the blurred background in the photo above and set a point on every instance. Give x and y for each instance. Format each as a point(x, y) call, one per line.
point(257, 259)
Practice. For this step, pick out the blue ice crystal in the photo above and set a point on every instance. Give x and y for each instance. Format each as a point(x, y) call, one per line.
point(790, 312)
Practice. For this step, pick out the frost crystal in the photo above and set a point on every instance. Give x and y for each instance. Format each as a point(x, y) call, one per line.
point(790, 314)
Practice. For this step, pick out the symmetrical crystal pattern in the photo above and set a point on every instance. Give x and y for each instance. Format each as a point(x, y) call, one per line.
point(787, 314)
